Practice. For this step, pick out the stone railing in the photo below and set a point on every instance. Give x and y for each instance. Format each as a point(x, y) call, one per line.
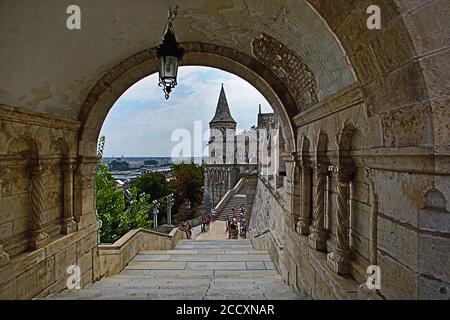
point(114, 257)
point(230, 193)
point(267, 240)
point(266, 234)
point(166, 229)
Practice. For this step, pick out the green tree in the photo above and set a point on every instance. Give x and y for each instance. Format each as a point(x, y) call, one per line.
point(187, 184)
point(110, 204)
point(139, 213)
point(153, 184)
point(116, 218)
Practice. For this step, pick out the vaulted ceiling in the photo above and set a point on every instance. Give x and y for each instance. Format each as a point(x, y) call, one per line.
point(47, 68)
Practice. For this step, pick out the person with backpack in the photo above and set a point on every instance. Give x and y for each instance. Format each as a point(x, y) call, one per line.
point(233, 229)
point(227, 227)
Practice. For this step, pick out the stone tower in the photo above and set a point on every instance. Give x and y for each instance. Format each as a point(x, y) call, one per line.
point(223, 131)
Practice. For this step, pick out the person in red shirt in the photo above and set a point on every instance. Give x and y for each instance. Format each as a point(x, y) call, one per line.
point(233, 210)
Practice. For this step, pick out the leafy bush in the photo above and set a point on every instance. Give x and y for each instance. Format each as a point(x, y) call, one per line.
point(116, 218)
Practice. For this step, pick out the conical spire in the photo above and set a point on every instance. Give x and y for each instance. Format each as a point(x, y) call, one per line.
point(222, 111)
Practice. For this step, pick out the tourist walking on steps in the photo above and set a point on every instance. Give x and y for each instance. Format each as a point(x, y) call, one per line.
point(189, 229)
point(208, 221)
point(242, 209)
point(227, 227)
point(213, 214)
point(203, 229)
point(184, 227)
point(233, 211)
point(233, 229)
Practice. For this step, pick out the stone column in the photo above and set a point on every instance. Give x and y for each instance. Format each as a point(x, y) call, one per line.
point(338, 259)
point(318, 234)
point(83, 192)
point(373, 248)
point(4, 256)
point(69, 225)
point(39, 238)
point(304, 222)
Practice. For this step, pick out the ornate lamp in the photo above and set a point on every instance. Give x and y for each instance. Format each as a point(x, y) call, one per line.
point(169, 54)
point(170, 202)
point(155, 213)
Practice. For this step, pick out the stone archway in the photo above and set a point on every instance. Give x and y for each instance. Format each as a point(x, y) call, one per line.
point(398, 97)
point(122, 76)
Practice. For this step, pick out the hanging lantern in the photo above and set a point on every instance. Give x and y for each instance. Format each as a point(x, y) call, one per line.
point(169, 54)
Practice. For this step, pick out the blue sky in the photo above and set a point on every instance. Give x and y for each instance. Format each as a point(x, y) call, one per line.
point(141, 121)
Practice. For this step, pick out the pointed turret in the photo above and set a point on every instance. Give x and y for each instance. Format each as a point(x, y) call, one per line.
point(223, 114)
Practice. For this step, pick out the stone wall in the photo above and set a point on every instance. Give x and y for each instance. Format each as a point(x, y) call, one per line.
point(47, 221)
point(367, 154)
point(347, 203)
point(300, 266)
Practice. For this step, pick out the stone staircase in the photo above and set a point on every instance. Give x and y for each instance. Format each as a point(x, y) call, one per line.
point(235, 201)
point(197, 270)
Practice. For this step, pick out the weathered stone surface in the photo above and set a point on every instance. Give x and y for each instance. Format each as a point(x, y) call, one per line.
point(398, 241)
point(399, 194)
point(322, 291)
point(191, 279)
point(391, 85)
point(397, 281)
point(430, 288)
point(434, 256)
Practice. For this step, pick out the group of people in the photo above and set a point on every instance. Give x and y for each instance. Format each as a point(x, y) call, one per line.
point(237, 224)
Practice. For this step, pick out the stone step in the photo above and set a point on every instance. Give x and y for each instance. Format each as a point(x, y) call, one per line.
point(227, 241)
point(187, 264)
point(212, 247)
point(201, 257)
point(202, 274)
point(209, 269)
point(205, 251)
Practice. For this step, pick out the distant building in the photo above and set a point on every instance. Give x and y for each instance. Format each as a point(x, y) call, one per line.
point(116, 165)
point(231, 155)
point(150, 162)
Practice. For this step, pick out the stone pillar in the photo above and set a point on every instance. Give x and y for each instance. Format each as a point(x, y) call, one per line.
point(318, 234)
point(83, 190)
point(69, 225)
point(338, 259)
point(304, 222)
point(373, 248)
point(39, 238)
point(4, 256)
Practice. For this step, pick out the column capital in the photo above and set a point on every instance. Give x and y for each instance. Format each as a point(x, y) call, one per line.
point(85, 166)
point(344, 173)
point(338, 261)
point(320, 167)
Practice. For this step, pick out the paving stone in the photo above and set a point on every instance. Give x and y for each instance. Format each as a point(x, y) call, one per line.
point(152, 257)
point(198, 257)
point(228, 269)
point(255, 265)
point(240, 257)
point(216, 265)
point(209, 251)
point(157, 265)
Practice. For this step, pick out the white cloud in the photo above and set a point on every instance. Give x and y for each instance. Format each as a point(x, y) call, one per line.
point(142, 121)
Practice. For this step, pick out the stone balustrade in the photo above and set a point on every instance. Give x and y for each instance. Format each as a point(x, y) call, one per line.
point(114, 257)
